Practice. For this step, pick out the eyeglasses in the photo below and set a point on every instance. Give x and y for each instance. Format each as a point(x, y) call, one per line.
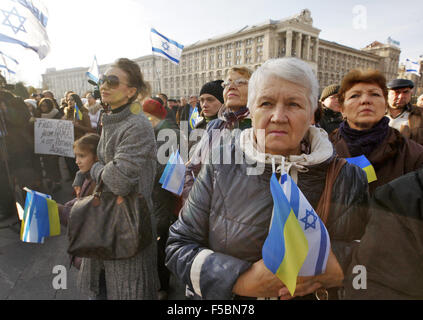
point(112, 81)
point(237, 83)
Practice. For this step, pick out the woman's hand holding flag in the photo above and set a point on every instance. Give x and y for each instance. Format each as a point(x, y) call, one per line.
point(332, 277)
point(258, 281)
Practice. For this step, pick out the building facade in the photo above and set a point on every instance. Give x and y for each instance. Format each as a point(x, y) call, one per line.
point(250, 46)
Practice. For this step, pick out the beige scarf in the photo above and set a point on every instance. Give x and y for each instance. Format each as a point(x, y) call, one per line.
point(321, 150)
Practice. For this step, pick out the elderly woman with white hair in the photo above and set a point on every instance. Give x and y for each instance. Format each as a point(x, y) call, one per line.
point(215, 247)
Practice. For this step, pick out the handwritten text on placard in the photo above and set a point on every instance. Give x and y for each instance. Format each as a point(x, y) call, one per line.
point(54, 137)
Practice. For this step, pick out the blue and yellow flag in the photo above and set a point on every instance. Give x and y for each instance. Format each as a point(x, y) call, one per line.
point(286, 246)
point(77, 113)
point(40, 218)
point(364, 164)
point(194, 118)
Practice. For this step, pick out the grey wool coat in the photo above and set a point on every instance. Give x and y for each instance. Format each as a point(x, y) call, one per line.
point(127, 162)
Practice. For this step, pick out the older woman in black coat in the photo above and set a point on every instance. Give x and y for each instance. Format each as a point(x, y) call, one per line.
point(215, 247)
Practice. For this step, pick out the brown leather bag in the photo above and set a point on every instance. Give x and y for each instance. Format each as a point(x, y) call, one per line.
point(109, 227)
point(323, 207)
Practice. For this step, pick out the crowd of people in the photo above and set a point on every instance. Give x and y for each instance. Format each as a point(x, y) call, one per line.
point(211, 236)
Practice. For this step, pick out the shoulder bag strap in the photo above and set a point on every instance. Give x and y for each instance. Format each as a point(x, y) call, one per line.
point(323, 208)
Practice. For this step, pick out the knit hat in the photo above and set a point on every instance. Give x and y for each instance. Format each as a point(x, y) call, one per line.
point(154, 106)
point(329, 91)
point(214, 88)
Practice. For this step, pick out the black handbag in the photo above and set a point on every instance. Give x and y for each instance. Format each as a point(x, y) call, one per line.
point(109, 227)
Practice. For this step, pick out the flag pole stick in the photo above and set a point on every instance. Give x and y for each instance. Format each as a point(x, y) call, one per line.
point(156, 72)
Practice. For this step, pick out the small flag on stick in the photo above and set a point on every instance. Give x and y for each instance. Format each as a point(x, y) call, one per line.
point(40, 218)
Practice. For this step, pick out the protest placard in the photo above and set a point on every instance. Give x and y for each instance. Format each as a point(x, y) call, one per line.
point(54, 137)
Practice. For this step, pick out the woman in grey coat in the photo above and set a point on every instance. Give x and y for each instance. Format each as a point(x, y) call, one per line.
point(127, 163)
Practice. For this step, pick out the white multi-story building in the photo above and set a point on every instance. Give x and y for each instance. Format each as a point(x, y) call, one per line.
point(250, 46)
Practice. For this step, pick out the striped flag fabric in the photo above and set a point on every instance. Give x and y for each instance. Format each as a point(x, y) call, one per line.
point(5, 63)
point(364, 164)
point(24, 24)
point(40, 218)
point(412, 67)
point(194, 118)
point(167, 168)
point(175, 175)
point(298, 243)
point(94, 72)
point(313, 227)
point(165, 47)
point(77, 113)
point(286, 246)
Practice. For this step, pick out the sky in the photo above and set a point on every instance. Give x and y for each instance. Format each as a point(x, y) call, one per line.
point(109, 29)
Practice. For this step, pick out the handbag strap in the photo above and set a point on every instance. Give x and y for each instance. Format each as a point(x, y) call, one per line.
point(323, 207)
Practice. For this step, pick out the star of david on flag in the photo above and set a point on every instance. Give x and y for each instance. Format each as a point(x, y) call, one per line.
point(23, 23)
point(165, 47)
point(298, 243)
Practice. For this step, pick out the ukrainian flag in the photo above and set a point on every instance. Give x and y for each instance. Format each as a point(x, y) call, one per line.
point(194, 118)
point(364, 164)
point(286, 246)
point(77, 113)
point(40, 218)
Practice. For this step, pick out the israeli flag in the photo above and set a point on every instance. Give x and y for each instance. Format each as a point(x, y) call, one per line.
point(165, 47)
point(24, 24)
point(94, 72)
point(412, 67)
point(7, 63)
point(314, 229)
point(175, 178)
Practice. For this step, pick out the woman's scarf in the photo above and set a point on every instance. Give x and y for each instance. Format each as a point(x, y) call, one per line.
point(315, 140)
point(364, 141)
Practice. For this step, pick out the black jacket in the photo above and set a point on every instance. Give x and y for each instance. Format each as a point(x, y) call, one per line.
point(184, 113)
point(330, 120)
point(391, 249)
point(225, 221)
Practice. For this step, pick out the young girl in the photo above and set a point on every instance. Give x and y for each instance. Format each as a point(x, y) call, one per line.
point(85, 150)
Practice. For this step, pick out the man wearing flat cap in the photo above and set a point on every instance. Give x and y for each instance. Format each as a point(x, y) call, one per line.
point(331, 109)
point(404, 117)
